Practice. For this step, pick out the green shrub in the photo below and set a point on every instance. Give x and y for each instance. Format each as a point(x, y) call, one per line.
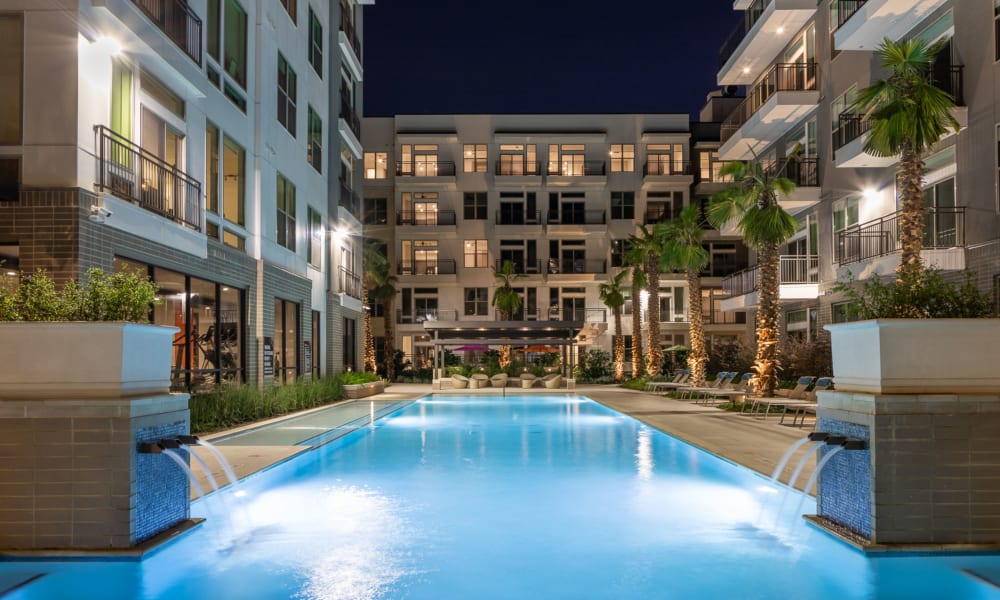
point(102, 297)
point(639, 383)
point(357, 377)
point(926, 295)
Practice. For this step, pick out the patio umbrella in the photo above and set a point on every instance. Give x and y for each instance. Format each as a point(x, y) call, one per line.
point(677, 348)
point(540, 348)
point(472, 348)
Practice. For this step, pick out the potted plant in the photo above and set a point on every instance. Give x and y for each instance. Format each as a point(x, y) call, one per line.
point(88, 340)
point(361, 385)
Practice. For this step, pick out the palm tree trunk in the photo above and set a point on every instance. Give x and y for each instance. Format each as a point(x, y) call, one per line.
point(766, 361)
point(911, 218)
point(370, 365)
point(637, 362)
point(505, 350)
point(654, 353)
point(697, 358)
point(619, 345)
point(390, 341)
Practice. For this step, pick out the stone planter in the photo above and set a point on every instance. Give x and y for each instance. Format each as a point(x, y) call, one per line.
point(363, 390)
point(917, 356)
point(84, 360)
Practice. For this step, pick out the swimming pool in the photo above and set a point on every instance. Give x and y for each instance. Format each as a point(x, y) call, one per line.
point(507, 497)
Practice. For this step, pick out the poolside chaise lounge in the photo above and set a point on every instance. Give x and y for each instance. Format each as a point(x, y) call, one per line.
point(479, 380)
point(459, 382)
point(722, 378)
point(799, 410)
point(737, 387)
point(552, 381)
point(796, 396)
point(499, 380)
point(528, 380)
point(679, 381)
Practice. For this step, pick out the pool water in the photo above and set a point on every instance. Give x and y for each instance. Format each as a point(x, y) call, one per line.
point(508, 497)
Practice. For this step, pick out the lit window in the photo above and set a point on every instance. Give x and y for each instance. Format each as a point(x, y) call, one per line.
point(474, 158)
point(622, 158)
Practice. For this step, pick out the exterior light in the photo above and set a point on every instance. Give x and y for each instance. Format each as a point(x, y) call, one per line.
point(108, 45)
point(746, 70)
point(781, 30)
point(871, 194)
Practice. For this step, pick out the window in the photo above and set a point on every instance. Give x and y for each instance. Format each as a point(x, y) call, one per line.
point(235, 43)
point(420, 208)
point(420, 257)
point(291, 8)
point(476, 256)
point(286, 94)
point(663, 206)
point(158, 91)
point(286, 213)
point(235, 240)
point(622, 158)
point(211, 168)
point(121, 106)
point(376, 165)
point(845, 213)
point(350, 344)
point(623, 205)
point(664, 159)
point(996, 29)
point(233, 182)
point(517, 159)
point(419, 160)
point(315, 43)
point(619, 250)
point(316, 229)
point(376, 211)
point(474, 158)
point(314, 146)
point(213, 22)
point(710, 167)
point(475, 206)
point(567, 160)
point(10, 179)
point(286, 343)
point(477, 302)
point(11, 78)
point(838, 107)
point(842, 312)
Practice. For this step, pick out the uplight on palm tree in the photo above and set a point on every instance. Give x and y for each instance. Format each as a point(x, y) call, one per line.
point(908, 116)
point(613, 296)
point(383, 291)
point(751, 203)
point(372, 261)
point(506, 301)
point(683, 252)
point(649, 244)
point(638, 277)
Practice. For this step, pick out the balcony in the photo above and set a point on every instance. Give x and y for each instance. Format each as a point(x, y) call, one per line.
point(554, 313)
point(665, 170)
point(785, 95)
point(766, 29)
point(427, 173)
point(426, 314)
point(804, 173)
point(577, 173)
point(426, 267)
point(129, 172)
point(347, 26)
point(576, 217)
point(798, 277)
point(522, 267)
point(944, 241)
point(516, 169)
point(421, 218)
point(350, 283)
point(518, 217)
point(348, 114)
point(175, 19)
point(576, 266)
point(350, 201)
point(863, 24)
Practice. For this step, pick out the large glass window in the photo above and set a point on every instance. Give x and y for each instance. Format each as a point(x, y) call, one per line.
point(211, 168)
point(11, 61)
point(517, 159)
point(376, 165)
point(567, 159)
point(376, 211)
point(286, 213)
point(664, 159)
point(622, 205)
point(619, 250)
point(476, 255)
point(287, 87)
point(233, 182)
point(475, 205)
point(235, 42)
point(477, 302)
point(286, 331)
point(314, 147)
point(474, 158)
point(315, 43)
point(622, 158)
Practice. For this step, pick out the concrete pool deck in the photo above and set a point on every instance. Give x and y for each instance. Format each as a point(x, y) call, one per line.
point(754, 443)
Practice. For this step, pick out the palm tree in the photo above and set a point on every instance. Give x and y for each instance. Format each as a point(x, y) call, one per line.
point(613, 296)
point(384, 292)
point(635, 260)
point(752, 203)
point(372, 261)
point(683, 252)
point(908, 116)
point(649, 243)
point(506, 301)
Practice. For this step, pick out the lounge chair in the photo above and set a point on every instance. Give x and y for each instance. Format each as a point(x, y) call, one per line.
point(528, 380)
point(552, 381)
point(479, 380)
point(796, 396)
point(799, 410)
point(499, 380)
point(459, 382)
point(721, 378)
point(737, 387)
point(679, 381)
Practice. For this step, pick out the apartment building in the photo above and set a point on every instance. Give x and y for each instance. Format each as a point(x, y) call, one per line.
point(212, 144)
point(802, 63)
point(454, 196)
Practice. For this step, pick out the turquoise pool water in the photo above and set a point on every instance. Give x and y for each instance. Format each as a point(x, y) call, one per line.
point(516, 497)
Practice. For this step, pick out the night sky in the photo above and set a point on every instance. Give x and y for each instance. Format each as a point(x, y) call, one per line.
point(542, 56)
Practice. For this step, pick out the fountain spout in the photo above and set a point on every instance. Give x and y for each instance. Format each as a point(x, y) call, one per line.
point(854, 444)
point(818, 436)
point(160, 446)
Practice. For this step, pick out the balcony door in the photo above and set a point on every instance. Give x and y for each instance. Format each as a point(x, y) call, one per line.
point(159, 139)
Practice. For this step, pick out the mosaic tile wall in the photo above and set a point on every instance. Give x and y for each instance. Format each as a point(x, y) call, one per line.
point(844, 489)
point(162, 488)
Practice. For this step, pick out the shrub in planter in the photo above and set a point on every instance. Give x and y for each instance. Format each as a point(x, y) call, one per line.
point(102, 297)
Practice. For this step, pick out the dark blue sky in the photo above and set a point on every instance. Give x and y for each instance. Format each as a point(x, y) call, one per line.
point(542, 56)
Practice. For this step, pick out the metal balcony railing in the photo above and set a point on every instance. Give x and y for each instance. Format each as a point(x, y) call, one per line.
point(178, 21)
point(350, 283)
point(665, 166)
point(518, 217)
point(521, 266)
point(426, 314)
point(576, 217)
point(516, 166)
point(750, 17)
point(590, 168)
point(425, 168)
point(426, 218)
point(347, 26)
point(846, 10)
point(350, 200)
point(944, 227)
point(792, 269)
point(949, 78)
point(349, 115)
point(804, 172)
point(782, 77)
point(576, 266)
point(128, 171)
point(426, 267)
point(851, 127)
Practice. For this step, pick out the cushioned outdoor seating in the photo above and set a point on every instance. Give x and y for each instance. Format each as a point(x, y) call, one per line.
point(528, 380)
point(499, 380)
point(795, 396)
point(479, 380)
point(459, 382)
point(552, 381)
